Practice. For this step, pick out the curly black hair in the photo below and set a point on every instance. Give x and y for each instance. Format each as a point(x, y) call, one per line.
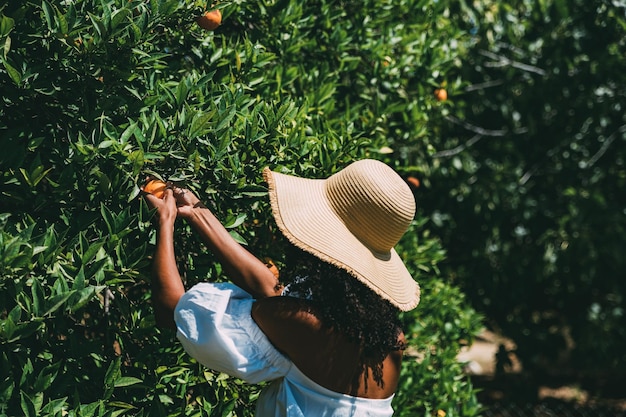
point(347, 306)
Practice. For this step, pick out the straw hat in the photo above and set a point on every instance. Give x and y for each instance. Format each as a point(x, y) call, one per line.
point(352, 219)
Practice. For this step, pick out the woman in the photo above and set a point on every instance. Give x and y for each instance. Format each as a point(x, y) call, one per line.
point(329, 341)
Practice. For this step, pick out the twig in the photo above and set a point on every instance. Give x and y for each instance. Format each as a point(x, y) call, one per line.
point(524, 179)
point(479, 133)
point(504, 61)
point(476, 129)
point(603, 148)
point(457, 150)
point(108, 297)
point(482, 86)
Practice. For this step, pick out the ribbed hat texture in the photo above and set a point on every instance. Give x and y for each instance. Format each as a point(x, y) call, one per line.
point(352, 219)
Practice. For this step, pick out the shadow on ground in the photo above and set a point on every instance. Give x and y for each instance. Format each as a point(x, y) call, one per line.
point(511, 392)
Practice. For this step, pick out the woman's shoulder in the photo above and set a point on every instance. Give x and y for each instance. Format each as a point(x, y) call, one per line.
point(286, 315)
point(327, 357)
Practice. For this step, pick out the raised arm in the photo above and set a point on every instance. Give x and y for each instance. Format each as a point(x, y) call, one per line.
point(241, 267)
point(167, 286)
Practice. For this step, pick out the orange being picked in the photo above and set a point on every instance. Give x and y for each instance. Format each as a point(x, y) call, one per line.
point(210, 20)
point(155, 187)
point(272, 267)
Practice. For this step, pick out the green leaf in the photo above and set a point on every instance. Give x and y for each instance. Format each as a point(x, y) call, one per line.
point(200, 120)
point(237, 221)
point(55, 407)
point(79, 279)
point(134, 194)
point(182, 91)
point(24, 330)
point(226, 119)
point(109, 220)
point(106, 12)
point(118, 17)
point(238, 238)
point(7, 47)
point(128, 132)
point(97, 24)
point(63, 26)
point(38, 174)
point(6, 25)
point(49, 13)
point(83, 296)
point(14, 74)
point(7, 328)
point(6, 387)
point(46, 377)
point(113, 373)
point(37, 293)
point(121, 404)
point(55, 302)
point(126, 381)
point(92, 251)
point(27, 405)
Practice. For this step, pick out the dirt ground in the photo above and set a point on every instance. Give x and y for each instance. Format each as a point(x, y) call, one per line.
point(511, 385)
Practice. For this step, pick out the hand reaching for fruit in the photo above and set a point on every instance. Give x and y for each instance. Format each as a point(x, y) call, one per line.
point(158, 194)
point(185, 201)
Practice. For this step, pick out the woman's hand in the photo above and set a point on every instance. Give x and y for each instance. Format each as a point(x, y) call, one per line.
point(166, 206)
point(167, 286)
point(186, 201)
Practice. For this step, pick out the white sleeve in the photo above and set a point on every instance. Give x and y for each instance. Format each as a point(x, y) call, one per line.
point(215, 326)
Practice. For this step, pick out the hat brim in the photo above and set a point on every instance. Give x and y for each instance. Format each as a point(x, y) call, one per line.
point(303, 214)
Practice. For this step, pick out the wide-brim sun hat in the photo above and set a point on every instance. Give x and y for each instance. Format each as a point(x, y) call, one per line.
point(352, 219)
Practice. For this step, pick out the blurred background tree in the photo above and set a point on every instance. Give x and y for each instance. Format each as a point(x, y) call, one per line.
point(526, 186)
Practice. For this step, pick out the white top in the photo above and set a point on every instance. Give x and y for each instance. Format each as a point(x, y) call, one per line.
point(215, 327)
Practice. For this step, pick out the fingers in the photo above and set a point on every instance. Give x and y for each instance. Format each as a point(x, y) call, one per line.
point(171, 197)
point(158, 202)
point(151, 199)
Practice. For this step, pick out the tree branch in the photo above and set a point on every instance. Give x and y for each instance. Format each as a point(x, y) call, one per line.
point(504, 61)
point(457, 150)
point(476, 129)
point(482, 86)
point(603, 148)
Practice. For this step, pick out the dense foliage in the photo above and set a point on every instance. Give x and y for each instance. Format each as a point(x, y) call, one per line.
point(98, 93)
point(527, 184)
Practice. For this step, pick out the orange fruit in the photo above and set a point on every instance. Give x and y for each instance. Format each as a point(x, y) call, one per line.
point(155, 187)
point(210, 20)
point(272, 267)
point(441, 94)
point(413, 182)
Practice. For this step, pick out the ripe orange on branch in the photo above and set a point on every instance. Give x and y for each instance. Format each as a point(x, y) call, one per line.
point(441, 94)
point(210, 20)
point(413, 182)
point(155, 187)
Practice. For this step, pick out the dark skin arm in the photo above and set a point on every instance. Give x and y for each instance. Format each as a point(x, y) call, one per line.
point(243, 268)
point(292, 325)
point(167, 285)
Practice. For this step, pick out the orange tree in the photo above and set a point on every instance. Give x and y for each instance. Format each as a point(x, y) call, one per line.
point(532, 155)
point(96, 94)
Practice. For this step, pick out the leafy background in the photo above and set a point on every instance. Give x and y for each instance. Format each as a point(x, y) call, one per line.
point(520, 217)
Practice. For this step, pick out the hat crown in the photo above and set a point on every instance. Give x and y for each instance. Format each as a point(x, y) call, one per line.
point(373, 201)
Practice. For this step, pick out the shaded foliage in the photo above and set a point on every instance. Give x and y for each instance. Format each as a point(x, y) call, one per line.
point(527, 182)
point(97, 94)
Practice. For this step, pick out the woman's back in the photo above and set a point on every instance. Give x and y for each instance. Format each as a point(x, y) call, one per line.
point(323, 354)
